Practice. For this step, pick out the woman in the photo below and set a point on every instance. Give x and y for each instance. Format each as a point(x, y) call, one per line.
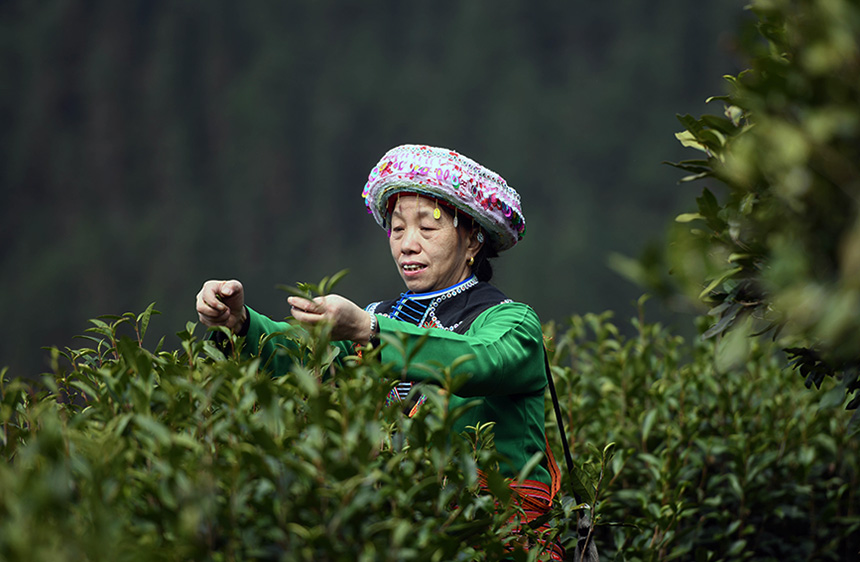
point(445, 216)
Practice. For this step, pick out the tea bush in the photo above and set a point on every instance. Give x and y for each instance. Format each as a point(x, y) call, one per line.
point(131, 453)
point(774, 243)
point(719, 455)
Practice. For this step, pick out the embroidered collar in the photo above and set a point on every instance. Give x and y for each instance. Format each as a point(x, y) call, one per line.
point(449, 292)
point(420, 308)
point(451, 309)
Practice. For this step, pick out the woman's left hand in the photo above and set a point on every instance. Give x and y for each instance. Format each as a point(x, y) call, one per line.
point(349, 321)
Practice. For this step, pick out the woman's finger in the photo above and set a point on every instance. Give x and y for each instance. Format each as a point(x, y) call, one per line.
point(212, 306)
point(305, 316)
point(207, 304)
point(304, 305)
point(229, 288)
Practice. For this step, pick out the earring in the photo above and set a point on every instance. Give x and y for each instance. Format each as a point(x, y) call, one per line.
point(456, 222)
point(471, 261)
point(437, 214)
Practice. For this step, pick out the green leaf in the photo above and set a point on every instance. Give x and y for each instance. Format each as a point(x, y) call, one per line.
point(716, 282)
point(689, 140)
point(143, 318)
point(693, 125)
point(712, 138)
point(709, 208)
point(327, 285)
point(647, 424)
point(695, 166)
point(688, 217)
point(581, 483)
point(695, 177)
point(724, 322)
point(154, 428)
point(719, 124)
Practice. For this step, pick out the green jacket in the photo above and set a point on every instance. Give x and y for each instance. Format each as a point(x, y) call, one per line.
point(506, 372)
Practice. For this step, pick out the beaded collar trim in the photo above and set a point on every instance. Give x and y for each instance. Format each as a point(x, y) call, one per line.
point(420, 308)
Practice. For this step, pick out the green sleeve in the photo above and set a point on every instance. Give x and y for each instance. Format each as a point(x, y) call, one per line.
point(260, 327)
point(504, 345)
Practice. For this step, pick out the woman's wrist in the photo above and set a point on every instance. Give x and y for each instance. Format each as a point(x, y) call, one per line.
point(241, 328)
point(374, 330)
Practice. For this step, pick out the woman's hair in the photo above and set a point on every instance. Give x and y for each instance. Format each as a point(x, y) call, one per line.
point(482, 268)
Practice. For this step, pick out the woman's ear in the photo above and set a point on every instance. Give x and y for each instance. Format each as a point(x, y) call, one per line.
point(475, 241)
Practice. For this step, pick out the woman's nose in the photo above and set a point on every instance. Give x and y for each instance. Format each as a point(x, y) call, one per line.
point(409, 243)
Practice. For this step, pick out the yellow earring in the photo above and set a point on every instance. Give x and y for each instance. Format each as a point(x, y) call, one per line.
point(471, 261)
point(437, 214)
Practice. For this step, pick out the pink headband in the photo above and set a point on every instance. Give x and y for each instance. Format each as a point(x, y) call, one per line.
point(450, 177)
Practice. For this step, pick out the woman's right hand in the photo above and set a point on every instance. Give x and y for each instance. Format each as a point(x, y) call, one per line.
point(222, 303)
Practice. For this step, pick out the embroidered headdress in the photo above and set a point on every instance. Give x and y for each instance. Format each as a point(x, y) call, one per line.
point(453, 178)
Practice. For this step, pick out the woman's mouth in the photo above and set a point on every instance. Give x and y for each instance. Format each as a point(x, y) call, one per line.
point(412, 267)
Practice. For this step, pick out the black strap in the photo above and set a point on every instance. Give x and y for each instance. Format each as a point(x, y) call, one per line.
point(567, 456)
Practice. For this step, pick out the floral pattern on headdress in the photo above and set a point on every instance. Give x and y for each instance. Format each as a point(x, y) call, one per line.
point(451, 177)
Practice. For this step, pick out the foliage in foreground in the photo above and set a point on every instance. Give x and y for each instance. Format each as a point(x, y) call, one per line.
point(188, 455)
point(775, 248)
point(192, 455)
point(719, 455)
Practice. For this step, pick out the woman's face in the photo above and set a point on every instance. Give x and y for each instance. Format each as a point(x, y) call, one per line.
point(431, 254)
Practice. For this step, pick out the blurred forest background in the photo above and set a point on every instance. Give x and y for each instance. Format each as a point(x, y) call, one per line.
point(148, 146)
